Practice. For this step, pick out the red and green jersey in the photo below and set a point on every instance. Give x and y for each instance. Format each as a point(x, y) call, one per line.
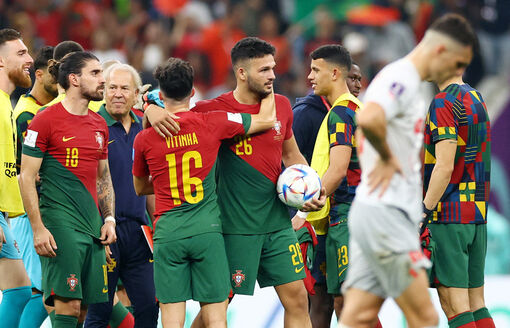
point(459, 113)
point(341, 128)
point(182, 170)
point(71, 147)
point(249, 167)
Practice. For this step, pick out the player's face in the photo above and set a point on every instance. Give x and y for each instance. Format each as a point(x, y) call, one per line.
point(49, 83)
point(92, 81)
point(452, 61)
point(320, 76)
point(120, 93)
point(17, 62)
point(354, 80)
point(260, 75)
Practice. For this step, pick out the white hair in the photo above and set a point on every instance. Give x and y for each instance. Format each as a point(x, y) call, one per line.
point(124, 67)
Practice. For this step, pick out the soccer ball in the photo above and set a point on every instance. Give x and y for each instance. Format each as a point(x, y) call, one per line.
point(298, 184)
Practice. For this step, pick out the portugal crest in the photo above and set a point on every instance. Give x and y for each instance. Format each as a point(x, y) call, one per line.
point(72, 282)
point(99, 139)
point(278, 130)
point(238, 278)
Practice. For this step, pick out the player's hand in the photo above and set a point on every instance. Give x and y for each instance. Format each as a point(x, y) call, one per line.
point(109, 254)
point(382, 173)
point(315, 204)
point(44, 243)
point(163, 122)
point(108, 234)
point(297, 222)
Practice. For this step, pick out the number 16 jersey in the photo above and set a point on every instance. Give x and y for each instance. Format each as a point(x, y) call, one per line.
point(182, 169)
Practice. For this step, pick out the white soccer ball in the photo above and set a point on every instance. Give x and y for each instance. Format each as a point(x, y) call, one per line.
point(298, 184)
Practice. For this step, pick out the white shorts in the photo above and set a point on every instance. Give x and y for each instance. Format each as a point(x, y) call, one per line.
point(385, 252)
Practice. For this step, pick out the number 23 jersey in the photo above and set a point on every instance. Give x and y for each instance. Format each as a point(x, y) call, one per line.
point(71, 147)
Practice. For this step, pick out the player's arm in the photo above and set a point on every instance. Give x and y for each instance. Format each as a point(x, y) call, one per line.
point(266, 117)
point(106, 200)
point(150, 205)
point(339, 158)
point(44, 242)
point(441, 173)
point(372, 122)
point(143, 185)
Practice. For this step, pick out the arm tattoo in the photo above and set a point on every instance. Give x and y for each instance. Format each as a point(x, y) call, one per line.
point(105, 195)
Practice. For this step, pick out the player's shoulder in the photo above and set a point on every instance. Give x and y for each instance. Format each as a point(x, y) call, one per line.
point(97, 118)
point(400, 75)
point(222, 102)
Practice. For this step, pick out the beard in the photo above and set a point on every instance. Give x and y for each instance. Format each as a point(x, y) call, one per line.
point(95, 95)
point(257, 89)
point(20, 78)
point(51, 89)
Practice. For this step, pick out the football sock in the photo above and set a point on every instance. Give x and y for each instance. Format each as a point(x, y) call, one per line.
point(65, 321)
point(462, 320)
point(13, 303)
point(121, 317)
point(34, 313)
point(483, 318)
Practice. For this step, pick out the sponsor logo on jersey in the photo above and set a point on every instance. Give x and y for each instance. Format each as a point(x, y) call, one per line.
point(238, 278)
point(72, 282)
point(64, 139)
point(100, 140)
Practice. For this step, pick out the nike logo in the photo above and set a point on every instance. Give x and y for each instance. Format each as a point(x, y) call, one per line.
point(151, 260)
point(64, 139)
point(105, 290)
point(299, 270)
point(109, 142)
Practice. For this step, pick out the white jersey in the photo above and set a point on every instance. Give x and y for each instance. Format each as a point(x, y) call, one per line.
point(396, 90)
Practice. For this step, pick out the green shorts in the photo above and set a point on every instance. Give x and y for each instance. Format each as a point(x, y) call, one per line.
point(337, 249)
point(459, 260)
point(192, 268)
point(272, 259)
point(79, 269)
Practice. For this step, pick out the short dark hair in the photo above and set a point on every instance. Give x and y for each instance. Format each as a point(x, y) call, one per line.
point(42, 57)
point(64, 48)
point(456, 27)
point(250, 47)
point(72, 63)
point(175, 78)
point(8, 34)
point(333, 53)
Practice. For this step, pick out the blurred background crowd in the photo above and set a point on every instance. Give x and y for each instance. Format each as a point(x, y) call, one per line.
point(145, 33)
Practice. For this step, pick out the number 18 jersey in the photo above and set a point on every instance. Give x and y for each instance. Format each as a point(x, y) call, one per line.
point(182, 170)
point(71, 147)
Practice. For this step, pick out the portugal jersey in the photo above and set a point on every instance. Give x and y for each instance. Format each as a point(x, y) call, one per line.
point(182, 170)
point(459, 113)
point(71, 147)
point(249, 167)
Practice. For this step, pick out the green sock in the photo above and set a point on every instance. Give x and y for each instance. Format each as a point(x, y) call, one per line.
point(65, 321)
point(462, 320)
point(119, 312)
point(482, 313)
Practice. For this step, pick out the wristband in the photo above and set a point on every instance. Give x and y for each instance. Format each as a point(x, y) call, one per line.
point(110, 218)
point(426, 211)
point(302, 215)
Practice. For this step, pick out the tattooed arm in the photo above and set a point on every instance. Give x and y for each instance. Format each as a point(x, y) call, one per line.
point(106, 200)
